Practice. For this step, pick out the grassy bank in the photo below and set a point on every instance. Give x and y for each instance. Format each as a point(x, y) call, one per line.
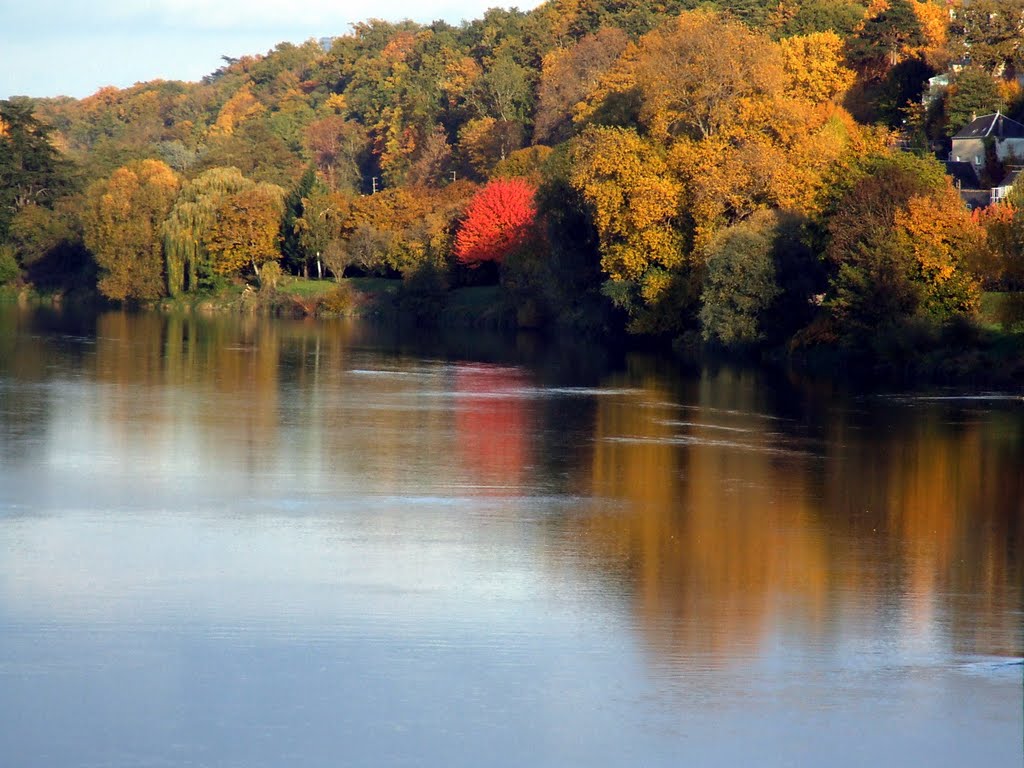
point(474, 306)
point(1003, 311)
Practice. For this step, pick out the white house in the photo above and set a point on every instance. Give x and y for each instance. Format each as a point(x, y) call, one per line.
point(1005, 135)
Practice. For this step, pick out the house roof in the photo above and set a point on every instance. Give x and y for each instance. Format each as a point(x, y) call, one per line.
point(964, 175)
point(997, 125)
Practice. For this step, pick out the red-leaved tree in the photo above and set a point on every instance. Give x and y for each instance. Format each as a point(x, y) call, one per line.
point(498, 220)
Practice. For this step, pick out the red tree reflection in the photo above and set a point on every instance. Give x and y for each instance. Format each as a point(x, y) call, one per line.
point(491, 425)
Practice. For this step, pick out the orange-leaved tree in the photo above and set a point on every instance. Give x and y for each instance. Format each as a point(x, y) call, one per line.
point(499, 220)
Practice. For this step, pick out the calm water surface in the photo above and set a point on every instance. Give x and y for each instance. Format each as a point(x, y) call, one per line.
point(264, 543)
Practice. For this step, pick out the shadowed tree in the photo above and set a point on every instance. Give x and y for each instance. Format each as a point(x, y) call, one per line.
point(32, 172)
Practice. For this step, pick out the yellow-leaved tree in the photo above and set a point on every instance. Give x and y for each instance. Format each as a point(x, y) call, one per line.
point(236, 110)
point(728, 123)
point(814, 67)
point(634, 202)
point(122, 220)
point(246, 230)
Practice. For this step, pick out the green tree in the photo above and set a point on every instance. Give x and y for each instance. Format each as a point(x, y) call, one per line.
point(320, 226)
point(292, 251)
point(901, 89)
point(974, 93)
point(991, 32)
point(32, 172)
point(900, 242)
point(48, 245)
point(804, 17)
point(884, 37)
point(740, 285)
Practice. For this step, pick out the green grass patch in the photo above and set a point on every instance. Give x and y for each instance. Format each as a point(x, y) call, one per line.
point(305, 288)
point(1003, 311)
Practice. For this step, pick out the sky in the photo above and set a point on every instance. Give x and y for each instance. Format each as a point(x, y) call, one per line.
point(75, 47)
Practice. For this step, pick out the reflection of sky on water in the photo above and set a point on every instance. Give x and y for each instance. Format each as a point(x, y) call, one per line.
point(361, 560)
point(226, 638)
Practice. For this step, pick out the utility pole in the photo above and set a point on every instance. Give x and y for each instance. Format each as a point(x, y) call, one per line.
point(454, 173)
point(374, 182)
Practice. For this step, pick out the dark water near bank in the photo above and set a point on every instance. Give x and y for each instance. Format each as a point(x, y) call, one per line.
point(262, 543)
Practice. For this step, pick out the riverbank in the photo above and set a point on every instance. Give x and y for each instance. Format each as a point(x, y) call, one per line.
point(368, 297)
point(986, 353)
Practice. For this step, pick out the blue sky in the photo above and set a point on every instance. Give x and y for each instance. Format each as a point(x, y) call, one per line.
point(74, 47)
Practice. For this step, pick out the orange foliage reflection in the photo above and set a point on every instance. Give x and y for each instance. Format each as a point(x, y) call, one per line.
point(732, 526)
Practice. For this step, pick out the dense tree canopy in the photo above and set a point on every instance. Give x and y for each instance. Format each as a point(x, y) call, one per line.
point(684, 168)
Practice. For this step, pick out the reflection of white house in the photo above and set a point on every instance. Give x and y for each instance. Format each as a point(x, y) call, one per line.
point(1005, 135)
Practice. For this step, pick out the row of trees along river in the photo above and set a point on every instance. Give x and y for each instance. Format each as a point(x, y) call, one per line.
point(724, 175)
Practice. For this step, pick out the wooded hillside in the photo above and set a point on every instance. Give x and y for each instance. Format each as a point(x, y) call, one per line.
point(741, 171)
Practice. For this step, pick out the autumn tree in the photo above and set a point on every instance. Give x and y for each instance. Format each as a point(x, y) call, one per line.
point(527, 163)
point(731, 123)
point(338, 147)
point(1000, 265)
point(122, 221)
point(246, 230)
point(187, 230)
point(429, 165)
point(486, 141)
point(634, 203)
point(499, 220)
point(699, 76)
point(814, 66)
point(242, 106)
point(568, 76)
point(398, 230)
point(900, 242)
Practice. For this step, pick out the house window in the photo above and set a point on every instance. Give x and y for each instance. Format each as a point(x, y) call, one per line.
point(977, 159)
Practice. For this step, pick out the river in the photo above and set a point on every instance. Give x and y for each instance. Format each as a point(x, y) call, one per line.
point(254, 542)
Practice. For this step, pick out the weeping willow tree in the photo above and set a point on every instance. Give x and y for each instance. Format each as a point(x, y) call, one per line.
point(187, 229)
